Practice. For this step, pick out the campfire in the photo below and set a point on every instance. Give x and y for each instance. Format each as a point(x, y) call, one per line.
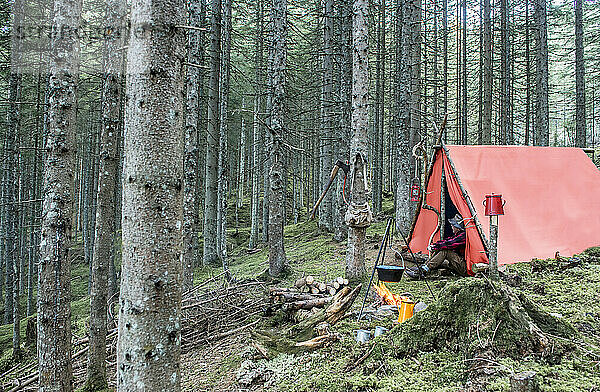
point(386, 295)
point(403, 303)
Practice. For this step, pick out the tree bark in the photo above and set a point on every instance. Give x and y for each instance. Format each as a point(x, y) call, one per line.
point(223, 181)
point(54, 277)
point(358, 216)
point(149, 343)
point(209, 233)
point(379, 108)
point(104, 241)
point(580, 131)
point(486, 128)
point(257, 127)
point(527, 77)
point(13, 211)
point(504, 73)
point(542, 131)
point(191, 201)
point(326, 123)
point(277, 258)
point(345, 110)
point(402, 118)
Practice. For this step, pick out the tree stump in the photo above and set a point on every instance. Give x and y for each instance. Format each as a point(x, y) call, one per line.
point(524, 382)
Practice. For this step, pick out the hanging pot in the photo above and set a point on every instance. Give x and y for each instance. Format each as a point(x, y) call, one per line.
point(389, 273)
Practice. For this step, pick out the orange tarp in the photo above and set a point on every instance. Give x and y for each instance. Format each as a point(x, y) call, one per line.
point(551, 196)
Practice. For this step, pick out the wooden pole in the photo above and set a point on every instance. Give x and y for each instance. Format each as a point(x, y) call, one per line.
point(493, 247)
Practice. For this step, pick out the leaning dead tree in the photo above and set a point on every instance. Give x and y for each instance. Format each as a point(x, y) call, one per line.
point(149, 344)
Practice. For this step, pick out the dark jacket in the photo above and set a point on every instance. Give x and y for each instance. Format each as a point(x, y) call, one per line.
point(456, 243)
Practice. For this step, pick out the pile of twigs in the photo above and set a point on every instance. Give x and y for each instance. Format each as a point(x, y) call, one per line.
point(212, 310)
point(216, 309)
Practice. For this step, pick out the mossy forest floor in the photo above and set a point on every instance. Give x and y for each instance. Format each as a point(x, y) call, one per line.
point(434, 351)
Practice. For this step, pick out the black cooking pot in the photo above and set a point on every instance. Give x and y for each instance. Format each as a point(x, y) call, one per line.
point(389, 273)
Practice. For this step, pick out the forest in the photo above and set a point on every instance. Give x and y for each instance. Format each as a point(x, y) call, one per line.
point(206, 195)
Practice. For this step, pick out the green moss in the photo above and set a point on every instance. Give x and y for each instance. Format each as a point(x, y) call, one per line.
point(474, 314)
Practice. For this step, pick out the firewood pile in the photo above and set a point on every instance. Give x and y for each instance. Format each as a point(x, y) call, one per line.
point(306, 297)
point(311, 331)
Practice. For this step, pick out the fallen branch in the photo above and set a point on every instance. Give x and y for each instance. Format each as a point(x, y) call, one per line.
point(319, 341)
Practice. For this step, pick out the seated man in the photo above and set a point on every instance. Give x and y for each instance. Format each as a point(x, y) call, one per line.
point(451, 249)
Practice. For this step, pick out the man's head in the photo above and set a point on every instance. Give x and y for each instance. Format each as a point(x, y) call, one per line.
point(457, 223)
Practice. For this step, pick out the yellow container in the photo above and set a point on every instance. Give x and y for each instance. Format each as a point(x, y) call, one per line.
point(405, 309)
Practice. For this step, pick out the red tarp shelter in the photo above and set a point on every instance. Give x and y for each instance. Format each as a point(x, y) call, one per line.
point(551, 193)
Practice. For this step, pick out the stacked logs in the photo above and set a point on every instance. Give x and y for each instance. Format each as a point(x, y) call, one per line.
point(311, 285)
point(306, 294)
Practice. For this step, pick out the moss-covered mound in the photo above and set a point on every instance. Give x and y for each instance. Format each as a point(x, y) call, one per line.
point(475, 315)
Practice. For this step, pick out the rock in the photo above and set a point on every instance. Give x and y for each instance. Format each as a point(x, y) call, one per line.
point(419, 307)
point(249, 374)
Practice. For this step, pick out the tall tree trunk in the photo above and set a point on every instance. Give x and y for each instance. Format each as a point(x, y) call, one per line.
point(241, 175)
point(542, 124)
point(257, 127)
point(445, 55)
point(16, 258)
point(480, 81)
point(105, 196)
point(379, 111)
point(486, 128)
point(191, 202)
point(345, 110)
point(414, 22)
point(11, 188)
point(277, 258)
point(527, 77)
point(211, 200)
point(223, 180)
point(33, 234)
point(465, 92)
point(402, 117)
point(580, 131)
point(149, 344)
point(54, 277)
point(504, 73)
point(358, 216)
point(326, 123)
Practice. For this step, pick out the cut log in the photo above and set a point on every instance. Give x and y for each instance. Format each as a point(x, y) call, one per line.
point(331, 291)
point(322, 287)
point(309, 280)
point(346, 282)
point(335, 284)
point(280, 290)
point(293, 297)
point(307, 304)
point(340, 281)
point(314, 290)
point(300, 283)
